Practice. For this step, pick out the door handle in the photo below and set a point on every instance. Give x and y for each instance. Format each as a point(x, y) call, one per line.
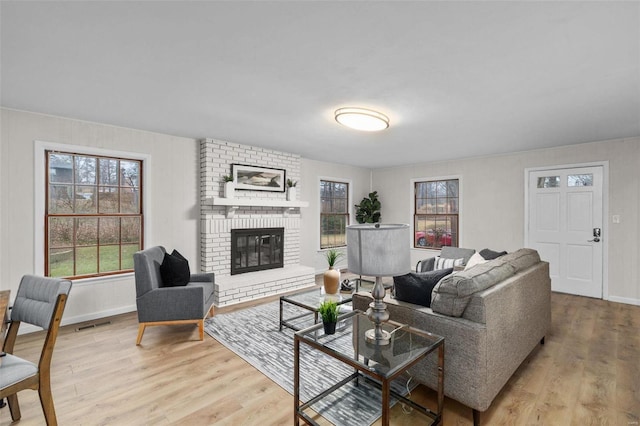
point(597, 232)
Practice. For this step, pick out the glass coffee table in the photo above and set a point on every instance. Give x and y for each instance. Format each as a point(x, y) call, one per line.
point(310, 301)
point(373, 365)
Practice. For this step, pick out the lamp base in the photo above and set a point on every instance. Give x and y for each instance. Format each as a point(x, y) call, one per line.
point(382, 340)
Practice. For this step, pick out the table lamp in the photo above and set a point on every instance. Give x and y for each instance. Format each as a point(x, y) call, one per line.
point(378, 250)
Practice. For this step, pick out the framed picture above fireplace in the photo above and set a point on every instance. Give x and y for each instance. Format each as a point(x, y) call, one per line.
point(258, 178)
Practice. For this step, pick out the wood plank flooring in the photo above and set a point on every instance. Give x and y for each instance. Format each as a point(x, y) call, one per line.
point(587, 373)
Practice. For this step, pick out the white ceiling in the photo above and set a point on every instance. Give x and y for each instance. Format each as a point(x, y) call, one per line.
point(457, 79)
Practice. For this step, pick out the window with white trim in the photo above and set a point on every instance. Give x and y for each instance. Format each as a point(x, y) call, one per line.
point(436, 213)
point(93, 214)
point(334, 213)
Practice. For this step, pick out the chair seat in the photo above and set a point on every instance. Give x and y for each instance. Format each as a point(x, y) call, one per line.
point(14, 369)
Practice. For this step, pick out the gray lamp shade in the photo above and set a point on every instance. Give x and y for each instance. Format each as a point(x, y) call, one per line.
point(378, 251)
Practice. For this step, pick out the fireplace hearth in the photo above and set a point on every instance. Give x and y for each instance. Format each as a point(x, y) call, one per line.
point(256, 249)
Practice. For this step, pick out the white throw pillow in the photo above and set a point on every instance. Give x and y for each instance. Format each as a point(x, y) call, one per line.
point(476, 259)
point(444, 263)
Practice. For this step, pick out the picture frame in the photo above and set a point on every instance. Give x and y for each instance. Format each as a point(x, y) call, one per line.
point(254, 178)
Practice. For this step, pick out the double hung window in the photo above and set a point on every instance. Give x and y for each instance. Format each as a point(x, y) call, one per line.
point(93, 216)
point(334, 213)
point(436, 213)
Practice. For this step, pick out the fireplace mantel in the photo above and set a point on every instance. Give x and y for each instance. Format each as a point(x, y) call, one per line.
point(233, 204)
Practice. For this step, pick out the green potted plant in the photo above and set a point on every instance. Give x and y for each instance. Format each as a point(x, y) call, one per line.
point(368, 211)
point(331, 277)
point(329, 313)
point(229, 186)
point(291, 189)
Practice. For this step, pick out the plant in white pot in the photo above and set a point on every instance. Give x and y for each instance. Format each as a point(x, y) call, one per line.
point(331, 277)
point(229, 186)
point(291, 189)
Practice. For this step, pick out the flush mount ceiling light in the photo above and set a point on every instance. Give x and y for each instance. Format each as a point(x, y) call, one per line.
point(362, 119)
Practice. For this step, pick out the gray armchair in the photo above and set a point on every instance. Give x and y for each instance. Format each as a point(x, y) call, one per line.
point(446, 253)
point(158, 305)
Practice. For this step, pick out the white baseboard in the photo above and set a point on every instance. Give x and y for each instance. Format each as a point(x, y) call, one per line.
point(28, 328)
point(627, 300)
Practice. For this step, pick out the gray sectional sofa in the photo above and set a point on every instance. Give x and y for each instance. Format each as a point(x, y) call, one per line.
point(491, 315)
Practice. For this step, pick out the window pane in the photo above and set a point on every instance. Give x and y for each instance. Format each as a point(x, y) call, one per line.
point(129, 173)
point(85, 199)
point(129, 201)
point(60, 232)
point(421, 205)
point(85, 170)
point(580, 180)
point(452, 188)
point(127, 255)
point(108, 199)
point(86, 260)
point(109, 230)
point(109, 258)
point(108, 171)
point(549, 182)
point(130, 230)
point(441, 189)
point(60, 168)
point(60, 199)
point(86, 231)
point(61, 262)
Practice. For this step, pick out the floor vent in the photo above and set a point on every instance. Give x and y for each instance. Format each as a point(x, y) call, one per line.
point(88, 326)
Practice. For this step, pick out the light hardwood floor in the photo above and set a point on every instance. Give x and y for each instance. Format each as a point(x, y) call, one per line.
point(587, 373)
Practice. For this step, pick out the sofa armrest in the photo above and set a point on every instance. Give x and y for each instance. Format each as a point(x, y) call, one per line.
point(171, 303)
point(208, 277)
point(425, 265)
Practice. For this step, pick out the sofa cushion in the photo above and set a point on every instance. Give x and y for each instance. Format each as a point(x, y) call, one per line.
point(174, 270)
point(489, 254)
point(522, 259)
point(452, 294)
point(416, 288)
point(445, 263)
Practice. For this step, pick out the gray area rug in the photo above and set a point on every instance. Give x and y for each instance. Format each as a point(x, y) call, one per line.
point(253, 335)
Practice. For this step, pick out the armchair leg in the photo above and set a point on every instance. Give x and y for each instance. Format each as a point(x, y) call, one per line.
point(14, 407)
point(141, 328)
point(201, 329)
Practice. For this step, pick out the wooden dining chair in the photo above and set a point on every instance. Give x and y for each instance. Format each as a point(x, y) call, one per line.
point(40, 301)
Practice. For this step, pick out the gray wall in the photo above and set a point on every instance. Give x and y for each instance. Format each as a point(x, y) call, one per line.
point(493, 201)
point(172, 216)
point(311, 173)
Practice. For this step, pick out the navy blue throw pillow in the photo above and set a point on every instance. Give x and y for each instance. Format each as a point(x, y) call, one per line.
point(416, 288)
point(488, 254)
point(174, 270)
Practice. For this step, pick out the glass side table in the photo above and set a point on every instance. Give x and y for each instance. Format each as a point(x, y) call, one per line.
point(309, 300)
point(377, 365)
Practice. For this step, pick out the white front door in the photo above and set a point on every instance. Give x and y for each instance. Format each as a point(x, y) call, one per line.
point(565, 218)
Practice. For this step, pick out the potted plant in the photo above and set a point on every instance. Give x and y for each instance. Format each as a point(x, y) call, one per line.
point(331, 277)
point(291, 189)
point(329, 312)
point(229, 186)
point(368, 211)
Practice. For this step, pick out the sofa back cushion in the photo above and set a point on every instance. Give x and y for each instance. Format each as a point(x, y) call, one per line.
point(521, 259)
point(452, 294)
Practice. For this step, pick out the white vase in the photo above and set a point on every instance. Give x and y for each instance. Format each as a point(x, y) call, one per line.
point(291, 193)
point(229, 189)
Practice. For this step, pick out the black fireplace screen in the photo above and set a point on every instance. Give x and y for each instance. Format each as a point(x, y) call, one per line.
point(256, 249)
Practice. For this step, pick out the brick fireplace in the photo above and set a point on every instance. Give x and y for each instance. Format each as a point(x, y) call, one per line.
point(248, 210)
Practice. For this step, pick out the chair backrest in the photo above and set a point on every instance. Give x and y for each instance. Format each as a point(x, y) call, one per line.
point(457, 253)
point(36, 299)
point(146, 266)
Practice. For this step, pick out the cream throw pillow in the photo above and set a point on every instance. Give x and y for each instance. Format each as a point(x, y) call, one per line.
point(476, 259)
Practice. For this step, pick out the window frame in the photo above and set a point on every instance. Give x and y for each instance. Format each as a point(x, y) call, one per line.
point(348, 214)
point(41, 198)
point(414, 213)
